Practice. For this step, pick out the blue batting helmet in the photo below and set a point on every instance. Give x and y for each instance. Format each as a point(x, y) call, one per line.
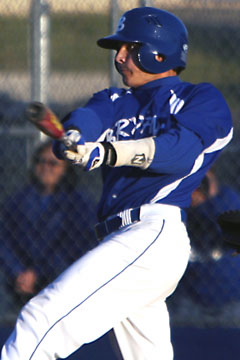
point(158, 32)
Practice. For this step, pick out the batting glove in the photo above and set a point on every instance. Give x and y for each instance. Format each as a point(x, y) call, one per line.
point(89, 156)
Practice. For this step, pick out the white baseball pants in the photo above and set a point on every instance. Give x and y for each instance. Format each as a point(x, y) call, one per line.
point(121, 284)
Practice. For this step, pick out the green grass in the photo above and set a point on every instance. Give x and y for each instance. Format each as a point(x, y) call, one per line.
point(13, 42)
point(74, 42)
point(214, 49)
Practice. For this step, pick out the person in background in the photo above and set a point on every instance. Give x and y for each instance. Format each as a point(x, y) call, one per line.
point(219, 197)
point(45, 226)
point(209, 292)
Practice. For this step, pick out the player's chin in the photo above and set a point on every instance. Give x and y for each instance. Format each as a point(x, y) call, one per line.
point(131, 82)
point(126, 75)
point(127, 79)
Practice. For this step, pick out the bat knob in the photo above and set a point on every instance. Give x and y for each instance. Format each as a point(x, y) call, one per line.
point(35, 111)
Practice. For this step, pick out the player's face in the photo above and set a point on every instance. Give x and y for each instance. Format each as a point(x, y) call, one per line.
point(126, 64)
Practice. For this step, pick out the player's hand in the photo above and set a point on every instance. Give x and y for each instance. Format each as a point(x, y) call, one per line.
point(71, 139)
point(89, 156)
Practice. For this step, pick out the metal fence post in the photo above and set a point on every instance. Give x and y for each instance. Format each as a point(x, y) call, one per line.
point(113, 25)
point(40, 50)
point(145, 2)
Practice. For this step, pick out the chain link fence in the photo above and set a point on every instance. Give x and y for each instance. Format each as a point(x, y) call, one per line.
point(72, 68)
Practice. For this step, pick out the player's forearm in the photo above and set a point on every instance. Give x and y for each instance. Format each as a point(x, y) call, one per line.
point(91, 155)
point(172, 152)
point(138, 153)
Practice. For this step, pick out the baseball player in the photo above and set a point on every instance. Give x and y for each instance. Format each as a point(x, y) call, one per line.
point(154, 140)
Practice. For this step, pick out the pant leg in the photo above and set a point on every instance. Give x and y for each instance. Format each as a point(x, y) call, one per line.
point(129, 270)
point(145, 335)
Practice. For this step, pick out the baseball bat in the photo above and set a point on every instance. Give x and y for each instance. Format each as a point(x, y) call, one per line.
point(46, 121)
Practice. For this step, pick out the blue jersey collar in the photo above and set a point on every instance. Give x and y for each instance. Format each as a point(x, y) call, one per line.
point(171, 80)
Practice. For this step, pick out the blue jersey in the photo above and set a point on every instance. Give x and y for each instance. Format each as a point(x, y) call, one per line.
point(190, 124)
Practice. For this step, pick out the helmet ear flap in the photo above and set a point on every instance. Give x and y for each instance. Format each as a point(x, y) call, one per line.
point(148, 62)
point(147, 59)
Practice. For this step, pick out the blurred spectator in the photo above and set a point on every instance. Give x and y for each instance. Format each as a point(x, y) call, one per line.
point(209, 292)
point(45, 226)
point(216, 197)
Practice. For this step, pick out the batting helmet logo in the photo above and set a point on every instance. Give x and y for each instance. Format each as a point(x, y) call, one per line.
point(121, 25)
point(158, 32)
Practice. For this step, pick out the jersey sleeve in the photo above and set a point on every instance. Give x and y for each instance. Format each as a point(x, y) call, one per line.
point(206, 113)
point(176, 151)
point(204, 119)
point(92, 119)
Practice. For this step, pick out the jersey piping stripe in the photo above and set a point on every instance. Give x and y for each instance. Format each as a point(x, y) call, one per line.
point(94, 292)
point(217, 145)
point(175, 103)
